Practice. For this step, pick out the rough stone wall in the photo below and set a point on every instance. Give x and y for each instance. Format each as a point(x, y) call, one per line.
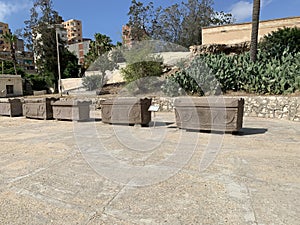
point(220, 48)
point(166, 104)
point(279, 107)
point(273, 107)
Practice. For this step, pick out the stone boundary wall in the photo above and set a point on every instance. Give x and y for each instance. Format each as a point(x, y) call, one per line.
point(220, 48)
point(279, 107)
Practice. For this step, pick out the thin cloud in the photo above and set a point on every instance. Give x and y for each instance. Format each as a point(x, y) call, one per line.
point(242, 10)
point(9, 8)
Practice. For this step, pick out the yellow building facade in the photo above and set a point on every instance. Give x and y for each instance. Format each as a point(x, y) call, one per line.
point(237, 33)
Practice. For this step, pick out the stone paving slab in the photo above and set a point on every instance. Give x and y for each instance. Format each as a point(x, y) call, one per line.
point(62, 172)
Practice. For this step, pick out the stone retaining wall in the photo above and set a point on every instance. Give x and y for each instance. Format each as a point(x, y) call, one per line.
point(255, 106)
point(273, 107)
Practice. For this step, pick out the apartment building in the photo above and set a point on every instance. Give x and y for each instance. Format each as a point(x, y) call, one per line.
point(74, 30)
point(24, 58)
point(126, 35)
point(4, 46)
point(80, 49)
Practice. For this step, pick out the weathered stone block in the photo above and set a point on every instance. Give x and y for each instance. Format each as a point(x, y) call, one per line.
point(71, 109)
point(38, 108)
point(126, 111)
point(212, 113)
point(43, 92)
point(11, 107)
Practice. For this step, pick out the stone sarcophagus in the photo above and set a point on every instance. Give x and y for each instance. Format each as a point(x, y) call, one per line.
point(209, 113)
point(11, 107)
point(71, 109)
point(126, 111)
point(38, 108)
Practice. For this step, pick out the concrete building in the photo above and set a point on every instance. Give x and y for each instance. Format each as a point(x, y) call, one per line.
point(237, 33)
point(11, 85)
point(24, 58)
point(26, 61)
point(80, 49)
point(20, 45)
point(126, 35)
point(74, 30)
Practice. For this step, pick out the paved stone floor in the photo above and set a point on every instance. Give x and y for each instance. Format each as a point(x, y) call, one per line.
point(60, 172)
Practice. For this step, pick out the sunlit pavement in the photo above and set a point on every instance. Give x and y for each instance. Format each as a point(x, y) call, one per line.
point(63, 172)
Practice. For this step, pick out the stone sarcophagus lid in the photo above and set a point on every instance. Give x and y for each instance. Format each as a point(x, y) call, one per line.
point(71, 109)
point(126, 111)
point(38, 108)
point(209, 113)
point(11, 107)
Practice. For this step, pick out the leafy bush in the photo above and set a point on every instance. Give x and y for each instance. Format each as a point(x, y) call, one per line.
point(139, 70)
point(196, 79)
point(267, 75)
point(37, 82)
point(285, 40)
point(142, 61)
point(93, 82)
point(238, 73)
point(138, 75)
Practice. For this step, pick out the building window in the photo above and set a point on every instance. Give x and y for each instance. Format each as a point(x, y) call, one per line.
point(9, 89)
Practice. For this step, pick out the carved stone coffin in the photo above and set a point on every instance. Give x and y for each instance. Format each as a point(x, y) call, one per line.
point(11, 107)
point(211, 113)
point(71, 109)
point(38, 108)
point(126, 111)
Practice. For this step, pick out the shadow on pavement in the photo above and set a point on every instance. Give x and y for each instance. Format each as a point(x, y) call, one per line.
point(250, 131)
point(160, 124)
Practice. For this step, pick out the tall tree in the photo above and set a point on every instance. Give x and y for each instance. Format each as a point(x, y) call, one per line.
point(198, 14)
point(40, 35)
point(179, 23)
point(101, 45)
point(99, 60)
point(167, 24)
point(11, 39)
point(255, 28)
point(140, 16)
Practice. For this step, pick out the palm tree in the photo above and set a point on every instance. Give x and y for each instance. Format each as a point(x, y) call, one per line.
point(100, 46)
point(255, 27)
point(11, 40)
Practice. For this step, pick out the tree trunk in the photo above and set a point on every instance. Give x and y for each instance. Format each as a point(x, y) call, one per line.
point(13, 56)
point(255, 27)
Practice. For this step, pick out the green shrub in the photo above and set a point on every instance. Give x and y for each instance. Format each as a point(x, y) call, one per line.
point(137, 74)
point(266, 76)
point(277, 43)
point(93, 82)
point(37, 82)
point(196, 79)
point(141, 62)
point(279, 75)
